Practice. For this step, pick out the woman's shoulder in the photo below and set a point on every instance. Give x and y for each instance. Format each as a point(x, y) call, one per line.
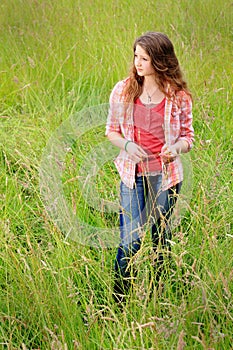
point(117, 91)
point(178, 94)
point(183, 95)
point(182, 98)
point(121, 84)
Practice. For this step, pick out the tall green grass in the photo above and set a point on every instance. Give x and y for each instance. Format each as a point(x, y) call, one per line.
point(58, 58)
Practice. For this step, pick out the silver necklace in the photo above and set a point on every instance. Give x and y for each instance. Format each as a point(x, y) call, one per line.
point(149, 97)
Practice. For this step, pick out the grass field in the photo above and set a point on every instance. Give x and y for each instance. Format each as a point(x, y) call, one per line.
point(59, 61)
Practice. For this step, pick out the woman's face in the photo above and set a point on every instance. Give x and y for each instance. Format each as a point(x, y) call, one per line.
point(142, 62)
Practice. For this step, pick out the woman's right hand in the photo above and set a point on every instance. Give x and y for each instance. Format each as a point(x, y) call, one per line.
point(136, 153)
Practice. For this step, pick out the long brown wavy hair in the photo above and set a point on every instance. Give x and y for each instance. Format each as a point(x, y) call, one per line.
point(165, 63)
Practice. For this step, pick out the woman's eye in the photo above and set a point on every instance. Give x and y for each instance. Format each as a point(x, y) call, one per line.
point(143, 58)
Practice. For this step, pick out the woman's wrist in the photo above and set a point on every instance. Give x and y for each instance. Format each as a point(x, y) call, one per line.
point(126, 144)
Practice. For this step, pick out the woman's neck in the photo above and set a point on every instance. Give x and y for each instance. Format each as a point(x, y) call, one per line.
point(149, 82)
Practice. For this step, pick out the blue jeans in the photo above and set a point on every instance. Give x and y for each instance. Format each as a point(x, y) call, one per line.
point(145, 206)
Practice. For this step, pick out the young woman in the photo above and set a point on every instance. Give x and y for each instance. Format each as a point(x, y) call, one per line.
point(150, 120)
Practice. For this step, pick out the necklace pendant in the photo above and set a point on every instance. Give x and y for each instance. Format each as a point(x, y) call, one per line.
point(149, 99)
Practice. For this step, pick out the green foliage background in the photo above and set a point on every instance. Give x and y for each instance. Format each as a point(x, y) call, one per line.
point(58, 57)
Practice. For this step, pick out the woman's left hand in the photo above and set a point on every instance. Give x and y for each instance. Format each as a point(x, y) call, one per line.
point(168, 153)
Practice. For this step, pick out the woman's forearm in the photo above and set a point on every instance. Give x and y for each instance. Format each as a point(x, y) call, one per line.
point(117, 139)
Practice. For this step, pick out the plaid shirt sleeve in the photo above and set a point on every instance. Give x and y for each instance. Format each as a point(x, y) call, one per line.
point(178, 123)
point(120, 120)
point(115, 109)
point(186, 128)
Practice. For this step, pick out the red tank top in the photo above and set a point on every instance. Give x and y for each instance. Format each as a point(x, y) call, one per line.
point(149, 134)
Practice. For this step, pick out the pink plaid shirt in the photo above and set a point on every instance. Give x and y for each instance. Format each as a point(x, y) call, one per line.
point(177, 126)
